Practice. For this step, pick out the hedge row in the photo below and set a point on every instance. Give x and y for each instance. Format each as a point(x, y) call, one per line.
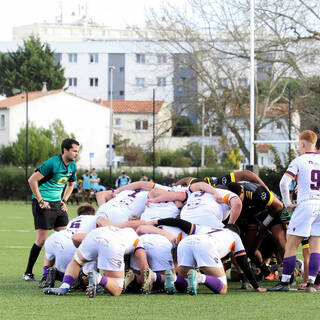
point(13, 184)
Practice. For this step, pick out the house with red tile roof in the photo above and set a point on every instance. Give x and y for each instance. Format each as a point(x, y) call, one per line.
point(133, 120)
point(87, 120)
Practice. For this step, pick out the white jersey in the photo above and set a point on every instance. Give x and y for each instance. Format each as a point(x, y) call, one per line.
point(202, 208)
point(173, 188)
point(81, 224)
point(125, 237)
point(130, 202)
point(306, 170)
point(160, 210)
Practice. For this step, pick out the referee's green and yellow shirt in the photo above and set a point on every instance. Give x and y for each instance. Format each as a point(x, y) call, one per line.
point(56, 175)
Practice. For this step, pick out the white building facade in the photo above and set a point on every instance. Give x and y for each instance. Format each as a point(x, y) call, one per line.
point(88, 121)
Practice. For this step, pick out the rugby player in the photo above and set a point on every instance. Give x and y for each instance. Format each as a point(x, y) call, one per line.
point(51, 185)
point(205, 248)
point(305, 220)
point(59, 247)
point(121, 206)
point(108, 245)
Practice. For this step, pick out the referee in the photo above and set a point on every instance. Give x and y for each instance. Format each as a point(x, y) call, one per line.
point(51, 185)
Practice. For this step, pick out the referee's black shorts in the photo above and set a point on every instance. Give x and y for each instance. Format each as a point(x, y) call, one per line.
point(49, 218)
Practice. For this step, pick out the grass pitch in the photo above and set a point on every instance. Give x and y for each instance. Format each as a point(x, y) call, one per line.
point(24, 300)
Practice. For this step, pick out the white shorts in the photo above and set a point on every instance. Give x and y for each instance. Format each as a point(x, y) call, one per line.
point(305, 220)
point(107, 249)
point(206, 219)
point(198, 251)
point(115, 214)
point(61, 248)
point(158, 249)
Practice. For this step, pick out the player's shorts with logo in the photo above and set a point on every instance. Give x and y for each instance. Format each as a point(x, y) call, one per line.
point(198, 250)
point(158, 249)
point(109, 245)
point(60, 247)
point(305, 220)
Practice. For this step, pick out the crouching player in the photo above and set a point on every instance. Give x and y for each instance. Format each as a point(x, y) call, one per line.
point(205, 251)
point(108, 245)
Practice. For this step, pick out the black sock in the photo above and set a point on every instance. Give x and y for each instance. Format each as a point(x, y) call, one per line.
point(34, 253)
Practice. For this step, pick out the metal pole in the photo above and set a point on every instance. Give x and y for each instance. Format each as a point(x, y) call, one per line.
point(289, 121)
point(110, 125)
point(202, 140)
point(252, 78)
point(27, 144)
point(154, 135)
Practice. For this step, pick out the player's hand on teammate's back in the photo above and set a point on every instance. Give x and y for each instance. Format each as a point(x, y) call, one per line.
point(291, 208)
point(219, 198)
point(152, 222)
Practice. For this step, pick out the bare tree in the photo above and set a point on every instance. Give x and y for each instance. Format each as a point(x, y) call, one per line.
point(211, 40)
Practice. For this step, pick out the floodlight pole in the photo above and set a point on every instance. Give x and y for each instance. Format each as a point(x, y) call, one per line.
point(111, 69)
point(27, 143)
point(202, 137)
point(154, 134)
point(252, 78)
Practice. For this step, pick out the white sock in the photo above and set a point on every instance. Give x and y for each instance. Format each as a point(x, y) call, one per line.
point(154, 276)
point(65, 285)
point(99, 277)
point(285, 278)
point(201, 278)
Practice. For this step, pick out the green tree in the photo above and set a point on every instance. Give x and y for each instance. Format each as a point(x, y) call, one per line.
point(30, 66)
point(56, 133)
point(39, 147)
point(121, 145)
point(42, 144)
point(183, 127)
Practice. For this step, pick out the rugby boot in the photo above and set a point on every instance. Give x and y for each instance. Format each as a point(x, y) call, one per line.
point(93, 283)
point(281, 286)
point(128, 279)
point(192, 282)
point(147, 281)
point(169, 286)
point(57, 291)
point(29, 277)
point(310, 288)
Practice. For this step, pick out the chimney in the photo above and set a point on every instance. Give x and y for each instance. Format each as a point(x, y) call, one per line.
point(44, 90)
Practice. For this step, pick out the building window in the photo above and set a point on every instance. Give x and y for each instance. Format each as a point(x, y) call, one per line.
point(309, 59)
point(141, 124)
point(243, 82)
point(181, 84)
point(161, 82)
point(93, 82)
point(57, 58)
point(161, 58)
point(140, 82)
point(117, 122)
point(2, 121)
point(72, 82)
point(93, 58)
point(224, 82)
point(140, 58)
point(73, 57)
point(121, 92)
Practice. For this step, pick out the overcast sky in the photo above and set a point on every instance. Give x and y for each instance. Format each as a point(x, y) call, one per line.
point(113, 13)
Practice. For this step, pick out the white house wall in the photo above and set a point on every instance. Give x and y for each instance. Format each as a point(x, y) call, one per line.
point(88, 121)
